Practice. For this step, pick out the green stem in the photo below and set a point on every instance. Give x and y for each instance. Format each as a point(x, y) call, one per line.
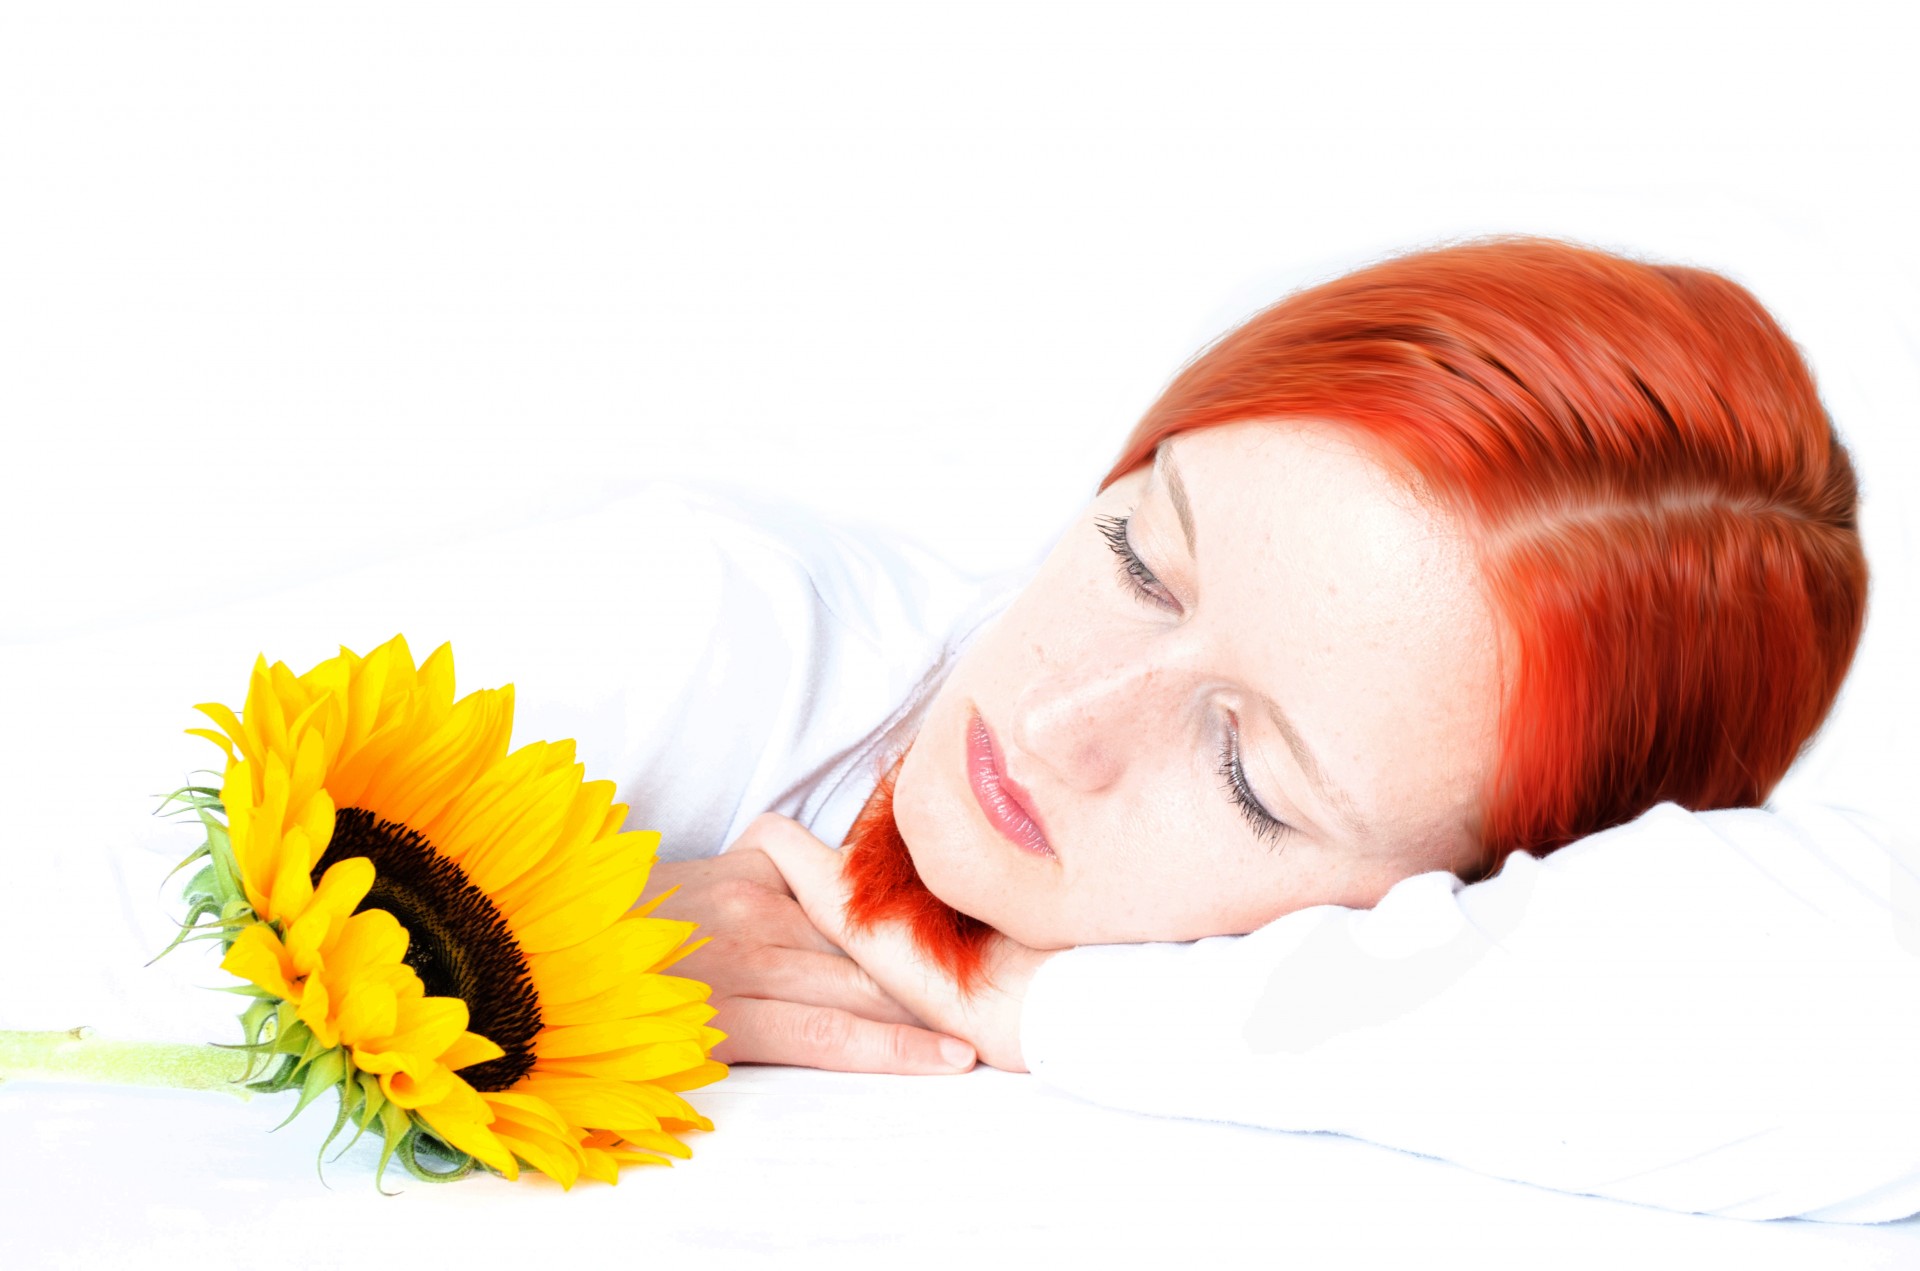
point(77, 1055)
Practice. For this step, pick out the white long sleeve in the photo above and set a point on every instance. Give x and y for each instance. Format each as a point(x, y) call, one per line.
point(1713, 1012)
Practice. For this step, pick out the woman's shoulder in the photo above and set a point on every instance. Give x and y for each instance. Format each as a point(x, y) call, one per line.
point(775, 649)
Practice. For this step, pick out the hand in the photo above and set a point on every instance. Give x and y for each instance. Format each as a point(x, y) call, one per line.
point(784, 993)
point(989, 1019)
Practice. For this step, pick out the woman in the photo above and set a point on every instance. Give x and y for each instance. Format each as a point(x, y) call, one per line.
point(1475, 552)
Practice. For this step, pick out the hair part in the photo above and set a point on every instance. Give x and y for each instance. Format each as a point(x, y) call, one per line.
point(1664, 518)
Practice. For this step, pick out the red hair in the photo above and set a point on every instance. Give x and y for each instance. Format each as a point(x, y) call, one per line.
point(885, 887)
point(1663, 516)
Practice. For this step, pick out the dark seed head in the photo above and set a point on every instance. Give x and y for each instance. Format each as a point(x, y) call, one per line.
point(457, 943)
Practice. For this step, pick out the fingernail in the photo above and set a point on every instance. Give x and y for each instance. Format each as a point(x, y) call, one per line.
point(956, 1052)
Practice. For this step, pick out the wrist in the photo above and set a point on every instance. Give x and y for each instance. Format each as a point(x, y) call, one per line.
point(998, 1043)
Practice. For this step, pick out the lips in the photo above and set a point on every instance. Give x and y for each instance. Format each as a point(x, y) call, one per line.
point(1003, 802)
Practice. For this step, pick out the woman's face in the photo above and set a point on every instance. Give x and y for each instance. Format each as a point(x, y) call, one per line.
point(1289, 699)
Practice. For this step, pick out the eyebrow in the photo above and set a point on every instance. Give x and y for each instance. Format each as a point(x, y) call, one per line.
point(1163, 464)
point(1331, 795)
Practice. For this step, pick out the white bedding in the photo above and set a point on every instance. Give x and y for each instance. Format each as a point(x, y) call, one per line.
point(989, 1164)
point(985, 1169)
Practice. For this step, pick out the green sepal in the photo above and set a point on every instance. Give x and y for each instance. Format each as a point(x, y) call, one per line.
point(255, 1019)
point(203, 889)
point(461, 1164)
point(349, 1100)
point(190, 858)
point(395, 1125)
point(245, 990)
point(226, 867)
point(314, 1050)
point(324, 1073)
point(372, 1099)
point(190, 929)
point(215, 889)
point(274, 1031)
point(253, 1022)
point(191, 796)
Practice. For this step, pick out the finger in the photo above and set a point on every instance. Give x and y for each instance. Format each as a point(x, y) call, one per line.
point(832, 980)
point(764, 1031)
point(740, 902)
point(744, 859)
point(771, 916)
point(811, 871)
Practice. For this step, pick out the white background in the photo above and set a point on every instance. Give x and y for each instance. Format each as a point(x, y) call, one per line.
point(288, 289)
point(293, 286)
point(285, 290)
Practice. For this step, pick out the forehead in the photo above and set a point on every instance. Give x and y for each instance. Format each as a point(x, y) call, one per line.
point(1336, 589)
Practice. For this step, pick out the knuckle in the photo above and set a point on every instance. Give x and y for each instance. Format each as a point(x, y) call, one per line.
point(749, 859)
point(738, 899)
point(903, 1046)
point(765, 822)
point(753, 863)
point(756, 960)
point(825, 1030)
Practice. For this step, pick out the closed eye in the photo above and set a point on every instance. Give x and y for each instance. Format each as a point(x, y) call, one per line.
point(1134, 574)
point(1267, 827)
point(1140, 582)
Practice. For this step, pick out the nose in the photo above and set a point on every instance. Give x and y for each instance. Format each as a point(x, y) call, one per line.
point(1082, 725)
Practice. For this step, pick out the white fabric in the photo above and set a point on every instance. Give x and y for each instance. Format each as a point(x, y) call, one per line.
point(717, 655)
point(1712, 1012)
point(676, 631)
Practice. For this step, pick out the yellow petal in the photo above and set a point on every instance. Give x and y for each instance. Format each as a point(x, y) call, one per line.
point(572, 1097)
point(368, 1011)
point(228, 723)
point(470, 816)
point(217, 739)
point(536, 1136)
point(583, 900)
point(594, 1103)
point(469, 1049)
point(519, 844)
point(702, 1074)
point(257, 955)
point(471, 739)
point(316, 1011)
point(635, 995)
point(461, 1118)
point(263, 713)
point(293, 876)
point(631, 946)
point(657, 1062)
point(659, 1141)
point(370, 939)
point(345, 884)
point(600, 1165)
point(611, 1036)
point(415, 1088)
point(236, 793)
point(259, 854)
point(560, 754)
point(528, 1108)
point(423, 1026)
point(585, 818)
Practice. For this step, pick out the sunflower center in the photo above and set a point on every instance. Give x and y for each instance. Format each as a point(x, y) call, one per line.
point(458, 943)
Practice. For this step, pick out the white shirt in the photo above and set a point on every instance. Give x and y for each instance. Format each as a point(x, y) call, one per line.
point(1713, 1012)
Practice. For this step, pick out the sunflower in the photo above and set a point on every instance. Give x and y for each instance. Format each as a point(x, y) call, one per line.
point(441, 929)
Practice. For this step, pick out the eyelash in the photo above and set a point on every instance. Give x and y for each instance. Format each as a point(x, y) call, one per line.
point(1134, 574)
point(1266, 826)
point(1140, 582)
